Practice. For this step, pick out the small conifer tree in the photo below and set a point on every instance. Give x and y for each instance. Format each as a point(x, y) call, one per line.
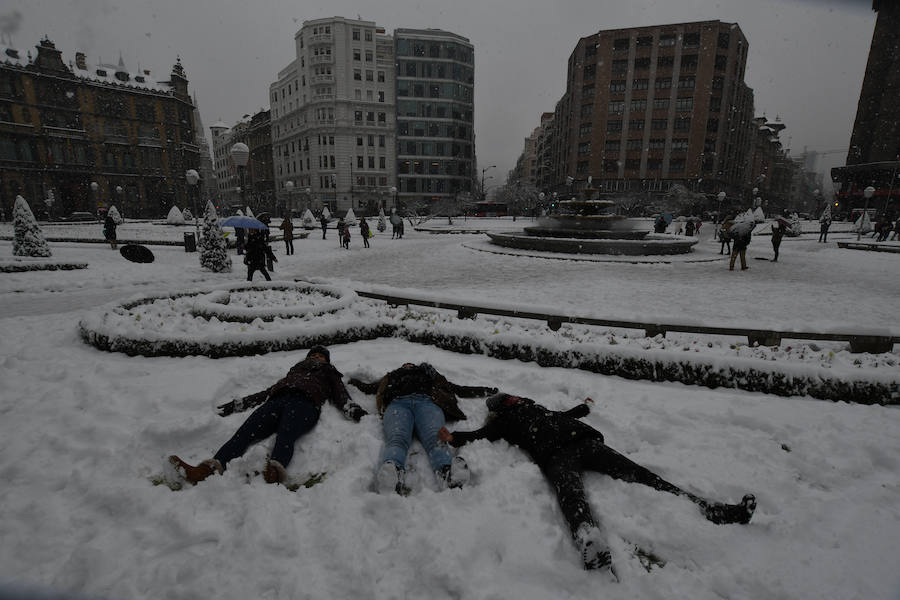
point(28, 239)
point(213, 250)
point(187, 214)
point(382, 221)
point(116, 217)
point(175, 217)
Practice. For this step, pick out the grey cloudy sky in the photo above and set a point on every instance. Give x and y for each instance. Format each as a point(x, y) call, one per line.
point(806, 62)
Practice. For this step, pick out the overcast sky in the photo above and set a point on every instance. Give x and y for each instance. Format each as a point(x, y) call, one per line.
point(806, 62)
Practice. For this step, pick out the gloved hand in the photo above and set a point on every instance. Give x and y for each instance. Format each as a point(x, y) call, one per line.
point(354, 411)
point(229, 408)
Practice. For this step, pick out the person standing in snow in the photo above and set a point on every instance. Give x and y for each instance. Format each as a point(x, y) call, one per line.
point(396, 221)
point(345, 235)
point(364, 231)
point(824, 224)
point(417, 398)
point(740, 237)
point(324, 223)
point(777, 234)
point(109, 231)
point(257, 253)
point(725, 236)
point(287, 226)
point(290, 409)
point(563, 447)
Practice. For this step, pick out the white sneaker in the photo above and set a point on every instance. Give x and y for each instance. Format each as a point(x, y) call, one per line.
point(594, 553)
point(458, 473)
point(389, 479)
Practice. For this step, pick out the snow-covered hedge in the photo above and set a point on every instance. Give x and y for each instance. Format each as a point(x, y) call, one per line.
point(19, 267)
point(244, 319)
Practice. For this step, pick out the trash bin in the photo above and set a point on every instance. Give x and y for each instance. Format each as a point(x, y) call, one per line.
point(190, 242)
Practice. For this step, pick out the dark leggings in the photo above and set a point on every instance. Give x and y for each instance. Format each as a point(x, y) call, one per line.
point(288, 416)
point(251, 270)
point(564, 469)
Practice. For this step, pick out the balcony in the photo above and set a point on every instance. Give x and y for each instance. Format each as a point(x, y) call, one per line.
point(322, 79)
point(320, 38)
point(321, 59)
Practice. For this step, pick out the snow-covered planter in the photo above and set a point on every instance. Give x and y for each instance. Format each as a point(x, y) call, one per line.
point(272, 300)
point(165, 325)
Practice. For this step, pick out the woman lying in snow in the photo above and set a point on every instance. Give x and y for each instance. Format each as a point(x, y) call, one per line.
point(563, 447)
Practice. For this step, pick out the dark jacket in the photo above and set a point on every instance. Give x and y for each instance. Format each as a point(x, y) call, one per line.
point(422, 379)
point(287, 226)
point(364, 228)
point(534, 428)
point(256, 252)
point(315, 380)
point(109, 228)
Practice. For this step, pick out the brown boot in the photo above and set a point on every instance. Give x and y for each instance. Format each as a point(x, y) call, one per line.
point(274, 472)
point(194, 474)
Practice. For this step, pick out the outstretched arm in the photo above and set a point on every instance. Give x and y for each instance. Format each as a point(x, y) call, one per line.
point(456, 439)
point(242, 404)
point(366, 388)
point(471, 391)
point(340, 397)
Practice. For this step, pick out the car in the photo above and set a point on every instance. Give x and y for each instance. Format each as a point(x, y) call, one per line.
point(81, 216)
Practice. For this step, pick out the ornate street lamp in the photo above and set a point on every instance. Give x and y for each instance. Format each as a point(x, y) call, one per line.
point(482, 179)
point(308, 199)
point(240, 155)
point(721, 197)
point(193, 177)
point(119, 199)
point(289, 187)
point(394, 194)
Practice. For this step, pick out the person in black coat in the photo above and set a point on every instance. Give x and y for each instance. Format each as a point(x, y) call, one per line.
point(290, 408)
point(563, 447)
point(256, 253)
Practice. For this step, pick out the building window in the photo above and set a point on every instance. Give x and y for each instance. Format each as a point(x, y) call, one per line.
point(368, 35)
point(687, 83)
point(691, 40)
point(621, 45)
point(667, 40)
point(632, 164)
point(663, 83)
point(357, 74)
point(634, 144)
point(614, 126)
point(660, 103)
point(682, 124)
point(610, 165)
point(380, 76)
point(676, 165)
point(721, 62)
point(636, 125)
point(640, 84)
point(620, 65)
point(642, 63)
point(712, 125)
point(370, 75)
point(616, 108)
point(369, 56)
point(657, 143)
point(659, 124)
point(654, 164)
point(718, 83)
point(587, 92)
point(617, 86)
point(689, 62)
point(356, 34)
point(665, 61)
point(715, 104)
point(586, 110)
point(585, 130)
point(612, 146)
point(639, 105)
point(724, 40)
point(357, 55)
point(590, 71)
point(684, 104)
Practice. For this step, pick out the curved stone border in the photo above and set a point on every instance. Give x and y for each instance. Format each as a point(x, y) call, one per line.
point(21, 267)
point(216, 304)
point(664, 259)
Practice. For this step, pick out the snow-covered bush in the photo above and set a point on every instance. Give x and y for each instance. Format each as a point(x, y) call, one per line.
point(188, 215)
point(249, 213)
point(326, 214)
point(114, 214)
point(308, 220)
point(382, 221)
point(213, 250)
point(28, 239)
point(350, 217)
point(175, 217)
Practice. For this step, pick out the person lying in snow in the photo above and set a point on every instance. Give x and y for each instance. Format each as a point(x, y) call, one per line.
point(290, 408)
point(418, 398)
point(563, 447)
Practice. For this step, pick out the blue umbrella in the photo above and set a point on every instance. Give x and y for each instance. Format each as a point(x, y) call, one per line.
point(667, 217)
point(243, 222)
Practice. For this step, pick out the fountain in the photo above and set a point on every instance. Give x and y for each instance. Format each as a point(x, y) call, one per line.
point(590, 226)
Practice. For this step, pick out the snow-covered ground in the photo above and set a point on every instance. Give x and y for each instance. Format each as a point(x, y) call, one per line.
point(84, 435)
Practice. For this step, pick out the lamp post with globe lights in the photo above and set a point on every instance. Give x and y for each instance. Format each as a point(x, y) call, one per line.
point(308, 199)
point(721, 197)
point(193, 177)
point(119, 191)
point(482, 179)
point(289, 188)
point(96, 196)
point(240, 155)
point(394, 194)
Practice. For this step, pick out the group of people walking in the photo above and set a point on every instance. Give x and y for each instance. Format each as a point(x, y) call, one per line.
point(417, 400)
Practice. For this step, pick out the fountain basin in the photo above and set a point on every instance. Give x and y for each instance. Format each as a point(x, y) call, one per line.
point(651, 244)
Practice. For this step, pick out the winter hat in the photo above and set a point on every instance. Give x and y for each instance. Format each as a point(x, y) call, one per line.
point(500, 401)
point(320, 350)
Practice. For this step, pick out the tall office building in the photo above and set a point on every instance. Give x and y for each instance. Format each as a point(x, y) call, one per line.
point(648, 107)
point(333, 118)
point(435, 105)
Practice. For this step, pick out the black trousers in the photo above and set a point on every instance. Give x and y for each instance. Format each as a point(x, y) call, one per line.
point(251, 270)
point(564, 470)
point(288, 246)
point(288, 416)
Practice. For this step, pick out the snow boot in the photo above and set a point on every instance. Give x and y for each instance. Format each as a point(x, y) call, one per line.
point(274, 472)
point(196, 474)
point(455, 475)
point(722, 514)
point(390, 479)
point(594, 553)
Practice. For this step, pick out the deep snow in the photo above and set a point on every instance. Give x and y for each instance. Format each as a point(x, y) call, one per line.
point(85, 433)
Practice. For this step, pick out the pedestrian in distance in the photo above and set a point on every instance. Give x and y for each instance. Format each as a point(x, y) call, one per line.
point(689, 228)
point(364, 231)
point(824, 224)
point(324, 223)
point(725, 236)
point(896, 234)
point(109, 231)
point(740, 240)
point(564, 447)
point(257, 253)
point(289, 409)
point(396, 222)
point(345, 235)
point(239, 239)
point(287, 226)
point(418, 399)
point(777, 234)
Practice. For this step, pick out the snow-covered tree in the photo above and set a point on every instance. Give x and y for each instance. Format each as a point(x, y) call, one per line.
point(213, 250)
point(175, 217)
point(758, 215)
point(28, 239)
point(326, 213)
point(308, 220)
point(249, 213)
point(116, 217)
point(187, 214)
point(350, 217)
point(382, 221)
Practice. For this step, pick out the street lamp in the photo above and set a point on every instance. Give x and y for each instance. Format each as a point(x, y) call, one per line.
point(289, 186)
point(868, 193)
point(240, 154)
point(482, 179)
point(193, 177)
point(119, 197)
point(394, 194)
point(94, 188)
point(308, 199)
point(721, 197)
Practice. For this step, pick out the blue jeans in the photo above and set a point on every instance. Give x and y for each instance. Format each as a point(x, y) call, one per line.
point(415, 412)
point(287, 415)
